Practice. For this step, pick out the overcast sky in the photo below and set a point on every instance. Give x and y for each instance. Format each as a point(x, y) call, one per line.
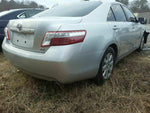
point(49, 3)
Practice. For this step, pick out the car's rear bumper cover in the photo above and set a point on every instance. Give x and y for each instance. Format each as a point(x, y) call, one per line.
point(36, 65)
point(47, 66)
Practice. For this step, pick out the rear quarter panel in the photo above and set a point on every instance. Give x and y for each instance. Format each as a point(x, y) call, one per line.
point(87, 55)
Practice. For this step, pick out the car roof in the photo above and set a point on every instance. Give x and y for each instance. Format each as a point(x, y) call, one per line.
point(21, 9)
point(103, 1)
point(25, 9)
point(12, 10)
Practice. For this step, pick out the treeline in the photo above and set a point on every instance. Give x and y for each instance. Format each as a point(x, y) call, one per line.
point(6, 5)
point(137, 6)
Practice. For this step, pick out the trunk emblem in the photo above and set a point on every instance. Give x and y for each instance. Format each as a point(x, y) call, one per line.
point(19, 26)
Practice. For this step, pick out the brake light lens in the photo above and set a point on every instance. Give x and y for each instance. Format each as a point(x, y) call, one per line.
point(63, 38)
point(7, 33)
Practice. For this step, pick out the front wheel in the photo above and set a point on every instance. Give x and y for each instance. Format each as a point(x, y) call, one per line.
point(106, 66)
point(141, 44)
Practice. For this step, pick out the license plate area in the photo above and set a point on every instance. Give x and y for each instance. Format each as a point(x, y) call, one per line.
point(23, 40)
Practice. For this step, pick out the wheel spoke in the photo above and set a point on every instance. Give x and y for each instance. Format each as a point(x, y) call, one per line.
point(105, 61)
point(110, 58)
point(104, 67)
point(104, 74)
point(111, 63)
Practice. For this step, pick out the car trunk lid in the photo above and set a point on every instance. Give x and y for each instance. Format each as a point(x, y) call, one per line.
point(27, 34)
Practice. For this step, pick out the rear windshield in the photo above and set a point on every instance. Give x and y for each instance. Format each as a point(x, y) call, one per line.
point(71, 10)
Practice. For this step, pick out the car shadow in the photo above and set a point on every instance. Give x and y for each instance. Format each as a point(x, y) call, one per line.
point(54, 89)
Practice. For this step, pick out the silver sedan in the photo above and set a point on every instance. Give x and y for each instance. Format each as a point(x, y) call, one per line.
point(74, 42)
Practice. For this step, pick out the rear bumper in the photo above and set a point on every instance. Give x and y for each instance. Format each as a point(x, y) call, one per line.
point(62, 66)
point(38, 65)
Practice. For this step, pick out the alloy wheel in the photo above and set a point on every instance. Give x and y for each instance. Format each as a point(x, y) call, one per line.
point(107, 66)
point(142, 43)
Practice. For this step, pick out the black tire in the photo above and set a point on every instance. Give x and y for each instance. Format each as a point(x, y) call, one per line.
point(100, 78)
point(1, 45)
point(0, 48)
point(141, 44)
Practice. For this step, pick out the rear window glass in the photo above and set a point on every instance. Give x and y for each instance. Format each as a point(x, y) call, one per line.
point(71, 10)
point(31, 13)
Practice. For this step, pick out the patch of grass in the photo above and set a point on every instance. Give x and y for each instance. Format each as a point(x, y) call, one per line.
point(128, 91)
point(5, 67)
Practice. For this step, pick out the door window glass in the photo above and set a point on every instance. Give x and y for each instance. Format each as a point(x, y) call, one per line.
point(110, 16)
point(118, 12)
point(22, 16)
point(128, 13)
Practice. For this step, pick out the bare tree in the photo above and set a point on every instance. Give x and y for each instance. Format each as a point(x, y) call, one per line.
point(140, 6)
point(126, 2)
point(6, 5)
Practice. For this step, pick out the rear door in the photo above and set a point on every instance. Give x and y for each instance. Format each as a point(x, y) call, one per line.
point(120, 29)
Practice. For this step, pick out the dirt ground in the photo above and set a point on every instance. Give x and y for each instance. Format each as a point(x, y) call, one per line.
point(128, 90)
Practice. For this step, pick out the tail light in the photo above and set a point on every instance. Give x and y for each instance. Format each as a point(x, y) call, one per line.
point(63, 38)
point(7, 33)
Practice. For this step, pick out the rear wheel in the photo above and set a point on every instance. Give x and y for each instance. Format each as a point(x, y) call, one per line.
point(1, 44)
point(106, 66)
point(141, 44)
point(0, 48)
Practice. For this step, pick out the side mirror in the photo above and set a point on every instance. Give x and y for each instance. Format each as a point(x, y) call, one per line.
point(142, 20)
point(133, 19)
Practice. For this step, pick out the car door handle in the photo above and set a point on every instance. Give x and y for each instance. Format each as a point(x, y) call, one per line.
point(115, 28)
